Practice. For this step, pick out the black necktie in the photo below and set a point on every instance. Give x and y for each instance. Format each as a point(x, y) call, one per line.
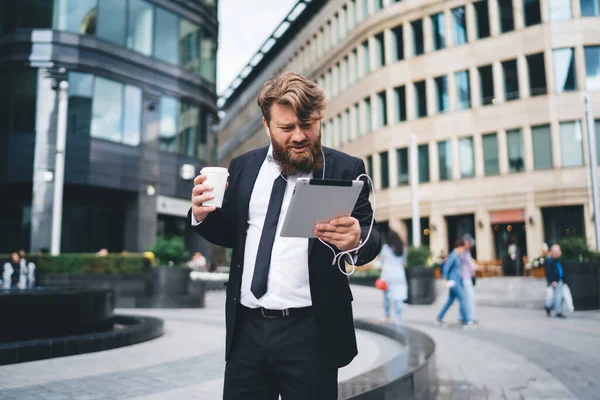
point(267, 237)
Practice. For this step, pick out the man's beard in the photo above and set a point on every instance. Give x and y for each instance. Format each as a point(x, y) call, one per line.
point(292, 163)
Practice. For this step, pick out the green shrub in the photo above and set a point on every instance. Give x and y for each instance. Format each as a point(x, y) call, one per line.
point(170, 249)
point(575, 249)
point(86, 263)
point(417, 257)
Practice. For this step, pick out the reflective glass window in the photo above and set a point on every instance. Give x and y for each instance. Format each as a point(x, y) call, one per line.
point(463, 90)
point(107, 110)
point(571, 143)
point(592, 67)
point(140, 27)
point(467, 157)
point(112, 21)
point(166, 36)
point(490, 154)
point(77, 16)
point(445, 160)
point(542, 147)
point(516, 152)
point(460, 26)
point(564, 70)
point(438, 25)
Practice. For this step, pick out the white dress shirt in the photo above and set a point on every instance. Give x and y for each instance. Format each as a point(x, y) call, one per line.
point(288, 283)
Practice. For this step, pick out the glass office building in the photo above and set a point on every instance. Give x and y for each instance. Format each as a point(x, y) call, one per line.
point(141, 103)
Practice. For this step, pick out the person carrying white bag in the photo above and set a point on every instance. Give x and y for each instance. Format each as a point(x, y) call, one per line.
point(554, 277)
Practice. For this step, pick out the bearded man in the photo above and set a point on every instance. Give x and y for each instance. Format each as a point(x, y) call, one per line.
point(288, 310)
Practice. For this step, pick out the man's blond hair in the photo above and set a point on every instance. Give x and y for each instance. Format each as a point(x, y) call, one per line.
point(291, 89)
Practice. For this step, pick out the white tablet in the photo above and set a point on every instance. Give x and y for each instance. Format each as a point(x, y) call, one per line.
point(318, 200)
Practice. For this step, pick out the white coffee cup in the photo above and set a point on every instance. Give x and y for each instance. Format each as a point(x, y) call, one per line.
point(217, 178)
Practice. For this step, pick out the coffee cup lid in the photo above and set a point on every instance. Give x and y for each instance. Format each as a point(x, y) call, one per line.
point(214, 170)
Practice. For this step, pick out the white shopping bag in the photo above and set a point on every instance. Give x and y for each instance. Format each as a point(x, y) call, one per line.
point(568, 298)
point(549, 295)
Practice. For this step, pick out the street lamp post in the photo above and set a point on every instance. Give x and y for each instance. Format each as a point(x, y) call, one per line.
point(61, 85)
point(593, 164)
point(414, 184)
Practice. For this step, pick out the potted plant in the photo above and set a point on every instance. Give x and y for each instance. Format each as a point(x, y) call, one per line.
point(536, 267)
point(171, 277)
point(581, 268)
point(420, 276)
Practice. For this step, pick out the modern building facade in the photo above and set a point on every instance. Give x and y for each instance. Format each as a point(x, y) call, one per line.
point(493, 90)
point(141, 103)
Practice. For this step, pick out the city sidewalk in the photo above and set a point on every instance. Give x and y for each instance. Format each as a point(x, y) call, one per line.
point(514, 354)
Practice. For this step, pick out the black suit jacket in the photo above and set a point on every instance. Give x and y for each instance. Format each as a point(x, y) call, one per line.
point(329, 288)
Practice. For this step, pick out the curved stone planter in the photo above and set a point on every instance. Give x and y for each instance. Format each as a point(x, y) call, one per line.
point(131, 330)
point(410, 375)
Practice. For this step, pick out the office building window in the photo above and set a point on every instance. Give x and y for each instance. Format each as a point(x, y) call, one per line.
point(166, 36)
point(382, 109)
point(379, 51)
point(423, 154)
point(78, 16)
point(345, 74)
point(343, 133)
point(564, 70)
point(592, 67)
point(516, 153)
point(368, 118)
point(397, 43)
point(506, 15)
point(107, 110)
point(417, 31)
point(140, 27)
point(18, 101)
point(347, 128)
point(366, 57)
point(335, 75)
point(482, 18)
point(402, 160)
point(400, 96)
point(132, 125)
point(560, 10)
point(571, 144)
point(467, 157)
point(460, 26)
point(441, 91)
point(463, 90)
point(331, 34)
point(378, 5)
point(355, 11)
point(532, 13)
point(112, 22)
point(542, 147)
point(537, 74)
point(445, 160)
point(490, 154)
point(356, 69)
point(486, 84)
point(370, 165)
point(384, 169)
point(169, 120)
point(356, 120)
point(420, 99)
point(597, 129)
point(438, 26)
point(341, 24)
point(208, 57)
point(511, 80)
point(365, 8)
point(590, 8)
point(81, 94)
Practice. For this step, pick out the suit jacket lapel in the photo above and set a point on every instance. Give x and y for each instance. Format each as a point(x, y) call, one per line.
point(329, 160)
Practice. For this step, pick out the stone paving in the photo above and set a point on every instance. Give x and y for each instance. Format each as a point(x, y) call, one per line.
point(514, 354)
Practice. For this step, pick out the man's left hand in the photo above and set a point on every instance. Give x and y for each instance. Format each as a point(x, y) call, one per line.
point(343, 232)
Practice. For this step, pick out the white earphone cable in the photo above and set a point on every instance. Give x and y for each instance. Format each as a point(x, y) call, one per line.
point(339, 257)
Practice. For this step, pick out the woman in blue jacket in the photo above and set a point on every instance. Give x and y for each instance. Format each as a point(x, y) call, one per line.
point(451, 272)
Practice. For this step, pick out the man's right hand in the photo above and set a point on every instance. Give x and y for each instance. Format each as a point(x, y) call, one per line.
point(554, 284)
point(200, 194)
